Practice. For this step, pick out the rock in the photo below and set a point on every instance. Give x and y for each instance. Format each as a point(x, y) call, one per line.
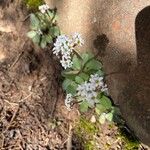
point(93, 119)
point(125, 23)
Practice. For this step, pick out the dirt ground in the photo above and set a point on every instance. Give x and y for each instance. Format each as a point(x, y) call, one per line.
point(32, 111)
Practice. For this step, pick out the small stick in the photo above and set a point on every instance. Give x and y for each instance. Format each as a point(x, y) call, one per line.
point(11, 103)
point(12, 119)
point(25, 18)
point(22, 100)
point(17, 59)
point(69, 142)
point(3, 140)
point(54, 104)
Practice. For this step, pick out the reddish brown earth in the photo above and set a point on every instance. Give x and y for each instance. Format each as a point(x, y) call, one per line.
point(32, 111)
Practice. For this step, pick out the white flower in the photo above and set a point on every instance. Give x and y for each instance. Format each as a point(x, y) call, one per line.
point(62, 44)
point(66, 56)
point(82, 89)
point(68, 101)
point(77, 39)
point(92, 95)
point(104, 88)
point(96, 80)
point(56, 51)
point(43, 8)
point(63, 47)
point(87, 92)
point(86, 87)
point(66, 63)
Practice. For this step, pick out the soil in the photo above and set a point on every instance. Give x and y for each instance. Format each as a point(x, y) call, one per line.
point(32, 111)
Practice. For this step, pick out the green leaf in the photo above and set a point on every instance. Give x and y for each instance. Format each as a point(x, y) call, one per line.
point(76, 63)
point(79, 80)
point(66, 83)
point(84, 76)
point(102, 118)
point(99, 95)
point(97, 111)
point(69, 73)
point(50, 13)
point(40, 16)
point(116, 110)
point(43, 42)
point(56, 18)
point(93, 65)
point(105, 101)
point(48, 38)
point(36, 39)
point(109, 116)
point(84, 106)
point(100, 109)
point(54, 31)
point(31, 34)
point(71, 88)
point(100, 72)
point(89, 72)
point(35, 22)
point(86, 56)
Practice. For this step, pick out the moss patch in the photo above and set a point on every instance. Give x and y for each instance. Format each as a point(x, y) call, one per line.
point(85, 131)
point(129, 141)
point(33, 4)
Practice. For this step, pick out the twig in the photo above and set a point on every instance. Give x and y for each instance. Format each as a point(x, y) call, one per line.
point(54, 104)
point(75, 52)
point(113, 73)
point(12, 119)
point(22, 139)
point(142, 147)
point(11, 103)
point(3, 140)
point(25, 18)
point(19, 56)
point(55, 11)
point(16, 60)
point(69, 142)
point(21, 100)
point(25, 98)
point(75, 102)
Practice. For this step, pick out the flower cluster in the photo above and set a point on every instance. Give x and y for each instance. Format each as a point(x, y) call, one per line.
point(88, 90)
point(68, 101)
point(64, 46)
point(43, 8)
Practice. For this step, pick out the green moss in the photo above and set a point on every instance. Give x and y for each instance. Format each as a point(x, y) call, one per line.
point(85, 130)
point(89, 145)
point(129, 141)
point(84, 126)
point(33, 4)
